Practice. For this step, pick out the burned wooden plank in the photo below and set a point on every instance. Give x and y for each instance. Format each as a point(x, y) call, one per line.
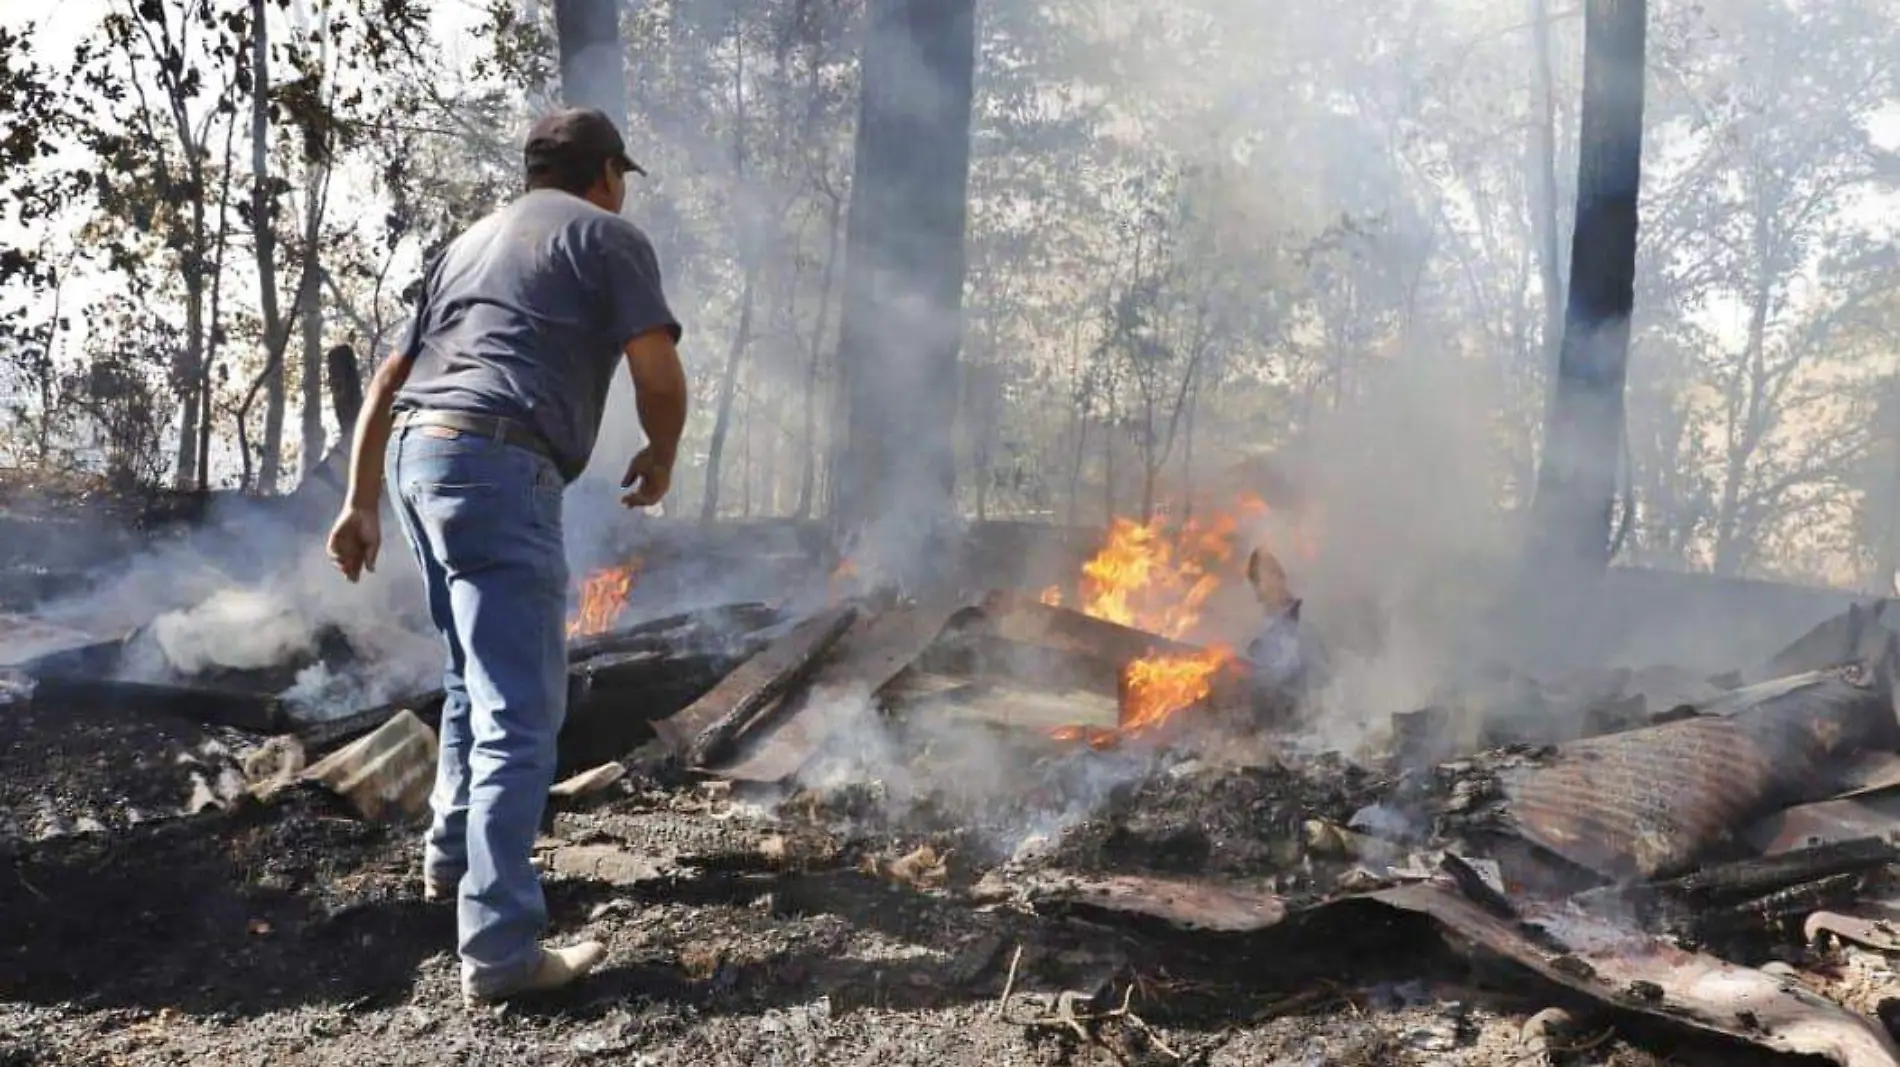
point(1190, 905)
point(1649, 802)
point(1002, 703)
point(876, 650)
point(735, 845)
point(710, 627)
point(716, 740)
point(1638, 973)
point(983, 655)
point(1015, 617)
point(213, 707)
point(703, 730)
point(1750, 878)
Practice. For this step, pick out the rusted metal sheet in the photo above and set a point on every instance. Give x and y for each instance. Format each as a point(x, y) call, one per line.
point(1639, 973)
point(1826, 822)
point(758, 682)
point(1649, 802)
point(876, 650)
point(1197, 905)
point(1871, 925)
point(1859, 635)
point(1872, 772)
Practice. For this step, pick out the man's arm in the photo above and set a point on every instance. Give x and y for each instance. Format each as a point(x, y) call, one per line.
point(372, 433)
point(357, 536)
point(659, 392)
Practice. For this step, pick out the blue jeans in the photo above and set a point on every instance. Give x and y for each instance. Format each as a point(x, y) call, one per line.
point(484, 519)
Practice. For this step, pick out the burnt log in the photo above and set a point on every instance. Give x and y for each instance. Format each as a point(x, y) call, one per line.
point(703, 731)
point(728, 627)
point(212, 707)
point(877, 650)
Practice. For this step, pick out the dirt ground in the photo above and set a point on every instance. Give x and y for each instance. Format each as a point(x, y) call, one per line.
point(289, 932)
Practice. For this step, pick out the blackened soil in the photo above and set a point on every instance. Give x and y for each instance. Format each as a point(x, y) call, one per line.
point(75, 768)
point(288, 903)
point(1219, 820)
point(287, 932)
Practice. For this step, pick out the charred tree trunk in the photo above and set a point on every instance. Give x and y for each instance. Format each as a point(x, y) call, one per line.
point(808, 481)
point(901, 328)
point(1576, 483)
point(1543, 183)
point(264, 240)
point(346, 388)
point(742, 336)
point(593, 66)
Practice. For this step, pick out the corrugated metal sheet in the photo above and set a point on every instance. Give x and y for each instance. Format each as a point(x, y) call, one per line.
point(1649, 802)
point(1647, 975)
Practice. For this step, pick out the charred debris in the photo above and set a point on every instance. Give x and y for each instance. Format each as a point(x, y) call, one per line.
point(1656, 855)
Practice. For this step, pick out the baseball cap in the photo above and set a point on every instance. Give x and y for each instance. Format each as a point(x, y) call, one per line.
point(582, 135)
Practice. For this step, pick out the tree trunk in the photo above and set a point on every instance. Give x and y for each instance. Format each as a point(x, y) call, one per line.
point(310, 436)
point(1543, 183)
point(751, 254)
point(1576, 482)
point(728, 388)
point(901, 327)
point(189, 372)
point(593, 66)
point(808, 481)
point(264, 239)
point(310, 300)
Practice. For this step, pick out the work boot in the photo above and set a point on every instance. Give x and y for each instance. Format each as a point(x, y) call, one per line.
point(558, 967)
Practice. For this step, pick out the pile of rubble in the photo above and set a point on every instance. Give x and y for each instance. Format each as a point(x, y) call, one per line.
point(1656, 854)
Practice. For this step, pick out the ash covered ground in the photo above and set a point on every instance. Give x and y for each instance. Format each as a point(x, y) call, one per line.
point(769, 929)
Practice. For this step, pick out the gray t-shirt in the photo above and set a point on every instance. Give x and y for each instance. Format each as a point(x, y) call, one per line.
point(525, 316)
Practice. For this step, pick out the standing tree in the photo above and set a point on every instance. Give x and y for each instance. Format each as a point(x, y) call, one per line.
point(901, 325)
point(593, 67)
point(1576, 479)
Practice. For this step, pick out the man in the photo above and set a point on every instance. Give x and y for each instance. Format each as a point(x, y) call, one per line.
point(494, 401)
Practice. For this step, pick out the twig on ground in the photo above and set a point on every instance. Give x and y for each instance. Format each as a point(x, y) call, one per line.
point(1009, 983)
point(1554, 1050)
point(1083, 1024)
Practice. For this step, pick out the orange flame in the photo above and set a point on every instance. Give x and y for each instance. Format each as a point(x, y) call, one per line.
point(842, 579)
point(1146, 579)
point(603, 595)
point(1155, 687)
point(1155, 578)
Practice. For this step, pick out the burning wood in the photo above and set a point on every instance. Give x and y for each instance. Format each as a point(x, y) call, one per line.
point(1151, 577)
point(603, 595)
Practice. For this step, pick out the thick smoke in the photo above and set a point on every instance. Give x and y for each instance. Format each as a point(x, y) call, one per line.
point(253, 591)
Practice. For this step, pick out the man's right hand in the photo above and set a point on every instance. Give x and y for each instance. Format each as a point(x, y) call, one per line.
point(355, 540)
point(649, 477)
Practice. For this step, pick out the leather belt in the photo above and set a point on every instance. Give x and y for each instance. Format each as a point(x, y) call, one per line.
point(493, 427)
